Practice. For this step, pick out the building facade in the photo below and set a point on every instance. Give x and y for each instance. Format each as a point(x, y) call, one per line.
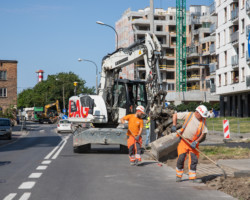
point(8, 83)
point(233, 73)
point(134, 24)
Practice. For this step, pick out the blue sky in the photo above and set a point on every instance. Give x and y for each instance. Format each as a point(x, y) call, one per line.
point(52, 35)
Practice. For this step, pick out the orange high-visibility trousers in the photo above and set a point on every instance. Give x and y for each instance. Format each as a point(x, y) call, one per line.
point(184, 149)
point(134, 148)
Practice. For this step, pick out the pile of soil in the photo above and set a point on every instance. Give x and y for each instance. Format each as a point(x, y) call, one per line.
point(236, 187)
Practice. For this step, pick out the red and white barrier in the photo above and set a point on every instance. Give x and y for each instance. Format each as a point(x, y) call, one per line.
point(226, 129)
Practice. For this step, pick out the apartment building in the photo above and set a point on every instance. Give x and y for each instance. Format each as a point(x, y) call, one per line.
point(134, 24)
point(233, 73)
point(8, 83)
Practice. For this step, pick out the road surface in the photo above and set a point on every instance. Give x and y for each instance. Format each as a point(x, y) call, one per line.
point(42, 165)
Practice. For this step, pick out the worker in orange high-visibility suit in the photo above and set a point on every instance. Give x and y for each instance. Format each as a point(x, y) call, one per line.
point(135, 126)
point(193, 129)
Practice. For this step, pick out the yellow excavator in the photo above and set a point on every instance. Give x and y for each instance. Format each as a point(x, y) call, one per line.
point(51, 113)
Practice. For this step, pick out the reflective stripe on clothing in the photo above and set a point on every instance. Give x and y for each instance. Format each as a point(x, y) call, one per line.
point(179, 172)
point(134, 147)
point(192, 174)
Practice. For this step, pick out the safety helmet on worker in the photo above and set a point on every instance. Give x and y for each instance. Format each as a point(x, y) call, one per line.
point(202, 110)
point(141, 109)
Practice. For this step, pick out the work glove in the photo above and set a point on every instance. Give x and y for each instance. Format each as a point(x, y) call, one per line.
point(193, 145)
point(137, 137)
point(173, 129)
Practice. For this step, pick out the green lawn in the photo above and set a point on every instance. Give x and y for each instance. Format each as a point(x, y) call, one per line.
point(236, 125)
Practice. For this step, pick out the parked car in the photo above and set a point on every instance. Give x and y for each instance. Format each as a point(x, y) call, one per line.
point(5, 128)
point(64, 125)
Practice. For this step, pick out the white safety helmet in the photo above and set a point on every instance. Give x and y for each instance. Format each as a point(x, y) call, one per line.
point(141, 108)
point(203, 111)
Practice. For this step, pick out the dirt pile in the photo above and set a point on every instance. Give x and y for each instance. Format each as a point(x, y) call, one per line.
point(236, 187)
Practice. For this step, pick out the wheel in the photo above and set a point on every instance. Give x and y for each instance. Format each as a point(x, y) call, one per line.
point(58, 131)
point(40, 121)
point(123, 149)
point(9, 136)
point(82, 149)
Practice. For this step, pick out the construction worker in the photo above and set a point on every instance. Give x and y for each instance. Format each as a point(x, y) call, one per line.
point(147, 131)
point(135, 125)
point(193, 129)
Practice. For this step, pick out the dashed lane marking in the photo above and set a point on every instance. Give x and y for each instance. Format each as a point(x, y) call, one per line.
point(41, 167)
point(10, 196)
point(35, 175)
point(46, 162)
point(27, 185)
point(25, 196)
point(60, 149)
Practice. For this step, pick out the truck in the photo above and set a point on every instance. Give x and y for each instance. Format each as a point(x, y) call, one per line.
point(37, 112)
point(50, 114)
point(97, 117)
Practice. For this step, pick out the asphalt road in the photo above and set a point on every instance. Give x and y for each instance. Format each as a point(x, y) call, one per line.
point(42, 165)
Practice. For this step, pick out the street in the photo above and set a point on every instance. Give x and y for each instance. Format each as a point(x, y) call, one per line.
point(42, 165)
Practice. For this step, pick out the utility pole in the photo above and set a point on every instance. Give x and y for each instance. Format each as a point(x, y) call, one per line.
point(63, 101)
point(151, 16)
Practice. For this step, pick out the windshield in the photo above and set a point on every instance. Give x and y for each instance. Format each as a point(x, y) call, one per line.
point(65, 122)
point(4, 123)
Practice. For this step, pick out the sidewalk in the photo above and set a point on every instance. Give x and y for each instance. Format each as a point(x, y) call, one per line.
point(16, 134)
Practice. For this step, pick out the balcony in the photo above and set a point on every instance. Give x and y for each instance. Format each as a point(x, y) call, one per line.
point(212, 9)
point(235, 61)
point(248, 6)
point(234, 14)
point(212, 88)
point(212, 48)
point(234, 37)
point(212, 68)
point(195, 21)
point(192, 52)
point(212, 29)
point(194, 87)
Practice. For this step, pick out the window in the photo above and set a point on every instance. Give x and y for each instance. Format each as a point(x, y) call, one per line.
point(3, 92)
point(170, 86)
point(243, 74)
point(219, 77)
point(242, 26)
point(225, 11)
point(242, 3)
point(170, 75)
point(225, 78)
point(3, 75)
point(218, 40)
point(225, 53)
point(225, 37)
point(243, 50)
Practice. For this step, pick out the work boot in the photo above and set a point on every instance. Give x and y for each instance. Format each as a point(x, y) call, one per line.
point(132, 163)
point(138, 162)
point(197, 180)
point(178, 179)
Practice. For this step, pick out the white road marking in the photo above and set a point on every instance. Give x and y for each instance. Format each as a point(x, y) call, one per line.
point(46, 162)
point(60, 149)
point(35, 175)
point(25, 196)
point(27, 185)
point(10, 196)
point(41, 167)
point(50, 154)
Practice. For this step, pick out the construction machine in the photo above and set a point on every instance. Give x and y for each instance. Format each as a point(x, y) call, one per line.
point(98, 116)
point(51, 113)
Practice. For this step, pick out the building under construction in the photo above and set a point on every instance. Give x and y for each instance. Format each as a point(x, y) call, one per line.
point(134, 24)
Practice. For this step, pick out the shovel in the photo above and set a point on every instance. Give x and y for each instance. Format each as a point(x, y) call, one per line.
point(224, 173)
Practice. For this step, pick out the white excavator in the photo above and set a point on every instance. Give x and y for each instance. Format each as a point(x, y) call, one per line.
point(98, 116)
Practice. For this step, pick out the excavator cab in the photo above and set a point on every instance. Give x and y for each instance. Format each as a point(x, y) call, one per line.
point(130, 95)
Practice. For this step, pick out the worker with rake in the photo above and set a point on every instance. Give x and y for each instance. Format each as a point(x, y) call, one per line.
point(192, 131)
point(135, 126)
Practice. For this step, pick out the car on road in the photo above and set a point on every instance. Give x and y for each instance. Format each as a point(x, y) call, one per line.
point(5, 128)
point(64, 125)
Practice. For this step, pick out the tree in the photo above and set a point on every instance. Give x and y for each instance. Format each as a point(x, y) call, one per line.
point(51, 90)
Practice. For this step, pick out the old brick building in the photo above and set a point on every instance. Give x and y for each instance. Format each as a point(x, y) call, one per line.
point(8, 83)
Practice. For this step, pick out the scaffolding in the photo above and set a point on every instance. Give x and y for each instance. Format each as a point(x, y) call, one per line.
point(181, 58)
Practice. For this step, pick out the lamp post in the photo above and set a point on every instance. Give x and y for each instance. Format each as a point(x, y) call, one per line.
point(101, 23)
point(79, 59)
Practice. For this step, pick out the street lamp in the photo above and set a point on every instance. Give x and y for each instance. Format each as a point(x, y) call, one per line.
point(80, 60)
point(101, 23)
